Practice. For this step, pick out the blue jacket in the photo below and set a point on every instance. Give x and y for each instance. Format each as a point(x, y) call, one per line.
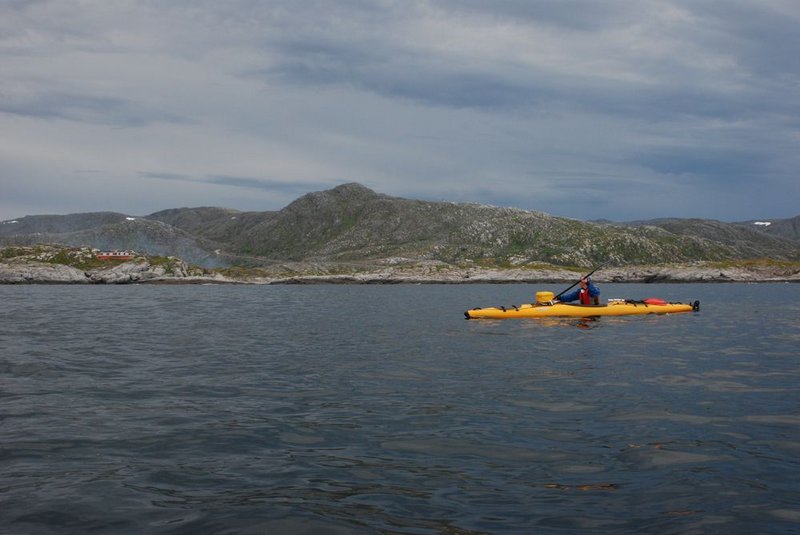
point(594, 291)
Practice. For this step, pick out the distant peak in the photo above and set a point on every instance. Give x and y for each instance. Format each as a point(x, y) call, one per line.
point(353, 188)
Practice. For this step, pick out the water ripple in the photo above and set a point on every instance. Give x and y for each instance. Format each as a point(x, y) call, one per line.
point(378, 409)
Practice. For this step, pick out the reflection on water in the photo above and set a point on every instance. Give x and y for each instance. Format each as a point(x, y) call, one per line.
point(366, 409)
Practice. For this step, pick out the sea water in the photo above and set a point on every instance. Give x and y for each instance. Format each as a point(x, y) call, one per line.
point(380, 409)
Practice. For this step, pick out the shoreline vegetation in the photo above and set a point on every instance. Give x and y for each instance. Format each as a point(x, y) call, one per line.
point(53, 264)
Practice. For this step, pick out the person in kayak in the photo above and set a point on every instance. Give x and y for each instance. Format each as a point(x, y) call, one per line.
point(587, 294)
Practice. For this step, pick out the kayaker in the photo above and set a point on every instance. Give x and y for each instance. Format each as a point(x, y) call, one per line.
point(588, 294)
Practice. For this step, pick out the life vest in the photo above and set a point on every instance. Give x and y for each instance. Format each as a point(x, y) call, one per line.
point(584, 296)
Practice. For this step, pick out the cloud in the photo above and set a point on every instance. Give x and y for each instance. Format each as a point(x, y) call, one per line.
point(691, 163)
point(282, 186)
point(85, 108)
point(533, 104)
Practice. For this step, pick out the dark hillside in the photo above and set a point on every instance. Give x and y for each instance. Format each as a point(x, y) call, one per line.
point(744, 241)
point(779, 228)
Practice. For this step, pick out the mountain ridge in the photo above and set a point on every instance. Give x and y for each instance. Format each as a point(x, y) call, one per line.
point(354, 223)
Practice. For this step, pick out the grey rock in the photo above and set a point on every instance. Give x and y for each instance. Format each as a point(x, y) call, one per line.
point(56, 264)
point(36, 272)
point(139, 271)
point(123, 273)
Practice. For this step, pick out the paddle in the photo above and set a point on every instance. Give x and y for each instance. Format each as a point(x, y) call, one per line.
point(577, 282)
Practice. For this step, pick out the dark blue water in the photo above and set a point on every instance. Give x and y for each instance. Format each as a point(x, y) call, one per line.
point(380, 409)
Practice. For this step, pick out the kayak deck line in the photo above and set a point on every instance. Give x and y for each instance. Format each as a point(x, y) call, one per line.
point(615, 307)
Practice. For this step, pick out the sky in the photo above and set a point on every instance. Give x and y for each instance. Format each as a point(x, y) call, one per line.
point(613, 109)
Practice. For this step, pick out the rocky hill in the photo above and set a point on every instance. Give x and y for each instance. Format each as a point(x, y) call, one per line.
point(783, 228)
point(351, 223)
point(742, 240)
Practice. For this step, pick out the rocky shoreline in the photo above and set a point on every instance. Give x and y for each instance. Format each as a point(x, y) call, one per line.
point(142, 271)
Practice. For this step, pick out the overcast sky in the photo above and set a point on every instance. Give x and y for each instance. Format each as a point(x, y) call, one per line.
point(617, 109)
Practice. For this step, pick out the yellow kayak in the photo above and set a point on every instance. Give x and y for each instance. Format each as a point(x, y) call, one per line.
point(615, 307)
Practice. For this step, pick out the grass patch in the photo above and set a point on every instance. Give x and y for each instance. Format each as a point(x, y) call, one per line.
point(14, 252)
point(81, 259)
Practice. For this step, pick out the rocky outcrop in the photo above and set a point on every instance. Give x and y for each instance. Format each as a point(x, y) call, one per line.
point(440, 273)
point(138, 271)
point(129, 272)
point(700, 273)
point(36, 272)
point(58, 264)
point(66, 265)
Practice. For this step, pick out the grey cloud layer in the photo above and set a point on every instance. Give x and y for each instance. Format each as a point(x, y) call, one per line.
point(546, 100)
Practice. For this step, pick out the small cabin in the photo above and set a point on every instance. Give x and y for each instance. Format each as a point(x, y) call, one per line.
point(115, 255)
